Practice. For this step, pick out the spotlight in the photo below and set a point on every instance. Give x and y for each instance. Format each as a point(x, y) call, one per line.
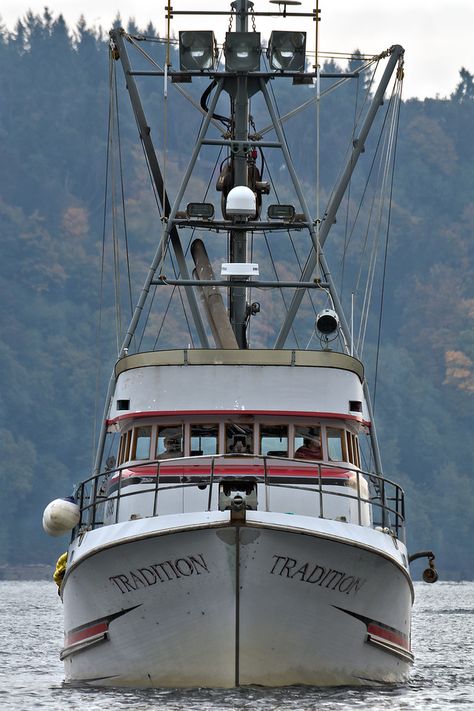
point(327, 323)
point(196, 50)
point(242, 51)
point(286, 51)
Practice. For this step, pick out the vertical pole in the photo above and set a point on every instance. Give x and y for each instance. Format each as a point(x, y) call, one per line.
point(238, 238)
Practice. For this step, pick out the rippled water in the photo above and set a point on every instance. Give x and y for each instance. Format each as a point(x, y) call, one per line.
point(31, 673)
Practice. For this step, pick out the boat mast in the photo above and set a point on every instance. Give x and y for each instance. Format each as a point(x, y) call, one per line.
point(238, 238)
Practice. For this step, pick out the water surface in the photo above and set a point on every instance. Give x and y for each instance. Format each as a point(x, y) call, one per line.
point(31, 675)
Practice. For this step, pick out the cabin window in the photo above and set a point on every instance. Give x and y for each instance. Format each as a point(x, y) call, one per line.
point(204, 439)
point(141, 443)
point(307, 442)
point(350, 447)
point(355, 450)
point(274, 440)
point(120, 458)
point(239, 438)
point(125, 447)
point(169, 442)
point(336, 444)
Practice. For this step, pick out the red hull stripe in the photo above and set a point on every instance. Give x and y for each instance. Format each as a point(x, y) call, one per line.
point(389, 635)
point(240, 413)
point(85, 634)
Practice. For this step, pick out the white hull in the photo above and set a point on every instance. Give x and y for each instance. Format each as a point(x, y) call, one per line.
point(220, 604)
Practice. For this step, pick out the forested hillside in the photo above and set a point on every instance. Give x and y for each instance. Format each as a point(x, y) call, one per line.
point(53, 143)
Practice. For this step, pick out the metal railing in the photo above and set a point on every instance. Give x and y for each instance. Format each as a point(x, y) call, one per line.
point(385, 497)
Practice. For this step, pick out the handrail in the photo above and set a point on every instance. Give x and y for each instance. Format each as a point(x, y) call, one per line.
point(92, 492)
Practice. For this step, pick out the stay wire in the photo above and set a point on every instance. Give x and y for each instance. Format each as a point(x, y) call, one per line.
point(388, 152)
point(350, 144)
point(102, 274)
point(122, 189)
point(280, 289)
point(306, 104)
point(386, 248)
point(115, 243)
point(348, 198)
point(275, 103)
point(177, 87)
point(361, 201)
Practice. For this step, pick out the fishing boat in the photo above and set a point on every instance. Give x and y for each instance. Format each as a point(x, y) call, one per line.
point(238, 527)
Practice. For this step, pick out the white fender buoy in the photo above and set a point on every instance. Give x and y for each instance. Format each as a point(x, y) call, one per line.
point(60, 516)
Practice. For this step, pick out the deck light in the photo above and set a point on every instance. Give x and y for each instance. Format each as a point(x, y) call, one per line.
point(242, 51)
point(281, 212)
point(286, 51)
point(196, 50)
point(204, 210)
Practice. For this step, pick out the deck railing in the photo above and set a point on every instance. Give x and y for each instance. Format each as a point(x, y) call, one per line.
point(386, 498)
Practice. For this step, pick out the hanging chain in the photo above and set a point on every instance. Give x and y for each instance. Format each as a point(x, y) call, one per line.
point(252, 15)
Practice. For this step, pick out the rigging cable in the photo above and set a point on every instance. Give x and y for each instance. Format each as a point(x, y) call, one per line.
point(125, 230)
point(310, 295)
point(399, 101)
point(309, 102)
point(115, 243)
point(361, 202)
point(178, 87)
point(390, 140)
point(101, 279)
point(348, 197)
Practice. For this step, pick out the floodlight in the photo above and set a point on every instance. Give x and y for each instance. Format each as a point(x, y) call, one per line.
point(196, 50)
point(286, 51)
point(281, 212)
point(205, 210)
point(242, 51)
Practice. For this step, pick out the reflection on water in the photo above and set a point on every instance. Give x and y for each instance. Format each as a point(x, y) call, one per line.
point(31, 673)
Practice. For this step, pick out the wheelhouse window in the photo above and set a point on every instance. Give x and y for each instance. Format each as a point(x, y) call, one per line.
point(307, 442)
point(353, 449)
point(141, 443)
point(274, 440)
point(336, 444)
point(169, 442)
point(124, 450)
point(204, 439)
point(239, 438)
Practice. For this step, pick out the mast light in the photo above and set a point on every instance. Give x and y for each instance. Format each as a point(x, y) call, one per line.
point(286, 51)
point(242, 51)
point(196, 50)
